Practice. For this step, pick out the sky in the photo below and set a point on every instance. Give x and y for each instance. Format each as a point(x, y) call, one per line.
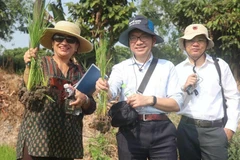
point(22, 40)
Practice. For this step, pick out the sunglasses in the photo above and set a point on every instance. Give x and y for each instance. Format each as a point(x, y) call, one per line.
point(60, 38)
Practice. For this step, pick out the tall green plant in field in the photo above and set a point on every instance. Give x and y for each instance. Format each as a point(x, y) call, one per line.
point(36, 27)
point(101, 49)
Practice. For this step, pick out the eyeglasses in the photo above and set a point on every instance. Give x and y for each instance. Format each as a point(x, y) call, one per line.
point(60, 38)
point(199, 41)
point(143, 38)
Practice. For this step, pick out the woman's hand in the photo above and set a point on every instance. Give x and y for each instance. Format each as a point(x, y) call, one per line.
point(27, 58)
point(80, 99)
point(32, 52)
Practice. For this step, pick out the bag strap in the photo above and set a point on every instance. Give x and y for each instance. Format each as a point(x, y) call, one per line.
point(225, 118)
point(147, 76)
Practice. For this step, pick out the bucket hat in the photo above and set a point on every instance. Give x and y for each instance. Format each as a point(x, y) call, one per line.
point(142, 23)
point(68, 28)
point(193, 30)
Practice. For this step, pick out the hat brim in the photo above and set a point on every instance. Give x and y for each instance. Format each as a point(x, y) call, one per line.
point(191, 36)
point(123, 38)
point(46, 40)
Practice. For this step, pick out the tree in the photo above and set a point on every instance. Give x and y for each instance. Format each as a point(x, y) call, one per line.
point(99, 17)
point(12, 17)
point(120, 53)
point(222, 18)
point(160, 12)
point(57, 11)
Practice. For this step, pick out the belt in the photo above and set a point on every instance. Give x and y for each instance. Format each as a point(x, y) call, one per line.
point(152, 117)
point(202, 123)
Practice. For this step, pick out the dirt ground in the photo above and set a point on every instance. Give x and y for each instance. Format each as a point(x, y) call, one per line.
point(11, 112)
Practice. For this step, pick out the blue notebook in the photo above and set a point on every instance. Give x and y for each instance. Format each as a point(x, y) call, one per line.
point(87, 83)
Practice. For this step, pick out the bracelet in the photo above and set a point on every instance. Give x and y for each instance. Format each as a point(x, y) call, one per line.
point(154, 100)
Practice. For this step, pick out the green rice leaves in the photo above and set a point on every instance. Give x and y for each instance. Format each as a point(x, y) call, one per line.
point(36, 23)
point(36, 28)
point(101, 49)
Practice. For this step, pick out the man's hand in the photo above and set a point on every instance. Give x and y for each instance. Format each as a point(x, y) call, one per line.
point(191, 81)
point(102, 84)
point(137, 100)
point(229, 134)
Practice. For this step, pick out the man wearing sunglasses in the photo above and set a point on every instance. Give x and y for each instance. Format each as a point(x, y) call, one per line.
point(52, 129)
point(202, 132)
point(153, 137)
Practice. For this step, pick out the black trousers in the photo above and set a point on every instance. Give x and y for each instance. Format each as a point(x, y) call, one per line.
point(198, 143)
point(152, 140)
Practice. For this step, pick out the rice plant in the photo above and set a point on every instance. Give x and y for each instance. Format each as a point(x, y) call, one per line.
point(101, 49)
point(36, 28)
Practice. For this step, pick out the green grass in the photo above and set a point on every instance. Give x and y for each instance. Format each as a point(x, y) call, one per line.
point(7, 153)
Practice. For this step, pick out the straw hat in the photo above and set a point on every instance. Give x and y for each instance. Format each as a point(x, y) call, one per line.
point(67, 28)
point(193, 30)
point(141, 23)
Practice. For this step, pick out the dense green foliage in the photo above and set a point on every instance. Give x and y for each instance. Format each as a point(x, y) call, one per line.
point(97, 17)
point(234, 147)
point(222, 18)
point(12, 11)
point(12, 59)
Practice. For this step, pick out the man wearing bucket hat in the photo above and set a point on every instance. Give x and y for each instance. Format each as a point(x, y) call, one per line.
point(154, 135)
point(202, 134)
point(52, 129)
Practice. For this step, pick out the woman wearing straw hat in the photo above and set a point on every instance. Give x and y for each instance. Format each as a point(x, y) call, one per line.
point(202, 132)
point(51, 131)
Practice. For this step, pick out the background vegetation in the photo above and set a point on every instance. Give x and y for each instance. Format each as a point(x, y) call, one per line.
point(95, 17)
point(7, 152)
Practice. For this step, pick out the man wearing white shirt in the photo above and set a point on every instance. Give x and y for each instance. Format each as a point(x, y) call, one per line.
point(154, 135)
point(202, 134)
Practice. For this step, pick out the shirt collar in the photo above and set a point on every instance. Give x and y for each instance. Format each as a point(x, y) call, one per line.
point(133, 60)
point(207, 59)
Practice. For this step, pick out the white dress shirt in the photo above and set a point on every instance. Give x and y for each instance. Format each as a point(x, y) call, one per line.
point(208, 104)
point(163, 82)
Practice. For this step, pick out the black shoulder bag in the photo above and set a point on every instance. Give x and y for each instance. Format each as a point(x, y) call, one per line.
point(225, 118)
point(121, 113)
